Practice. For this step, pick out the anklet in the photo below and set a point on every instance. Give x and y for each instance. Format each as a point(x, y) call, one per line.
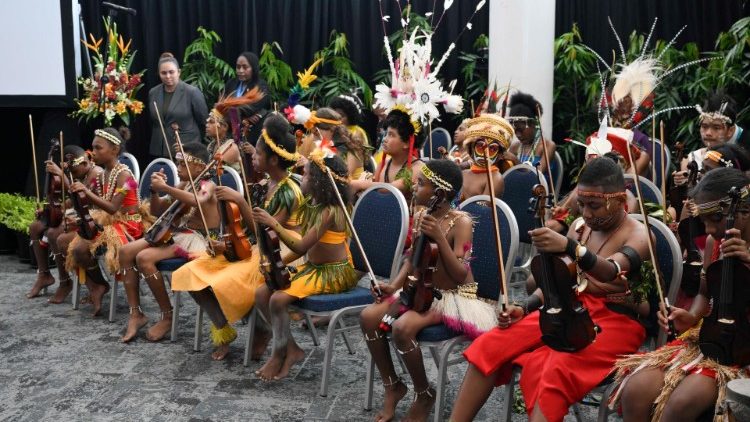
point(124, 271)
point(155, 276)
point(136, 308)
point(425, 391)
point(163, 314)
point(414, 347)
point(391, 382)
point(42, 272)
point(377, 336)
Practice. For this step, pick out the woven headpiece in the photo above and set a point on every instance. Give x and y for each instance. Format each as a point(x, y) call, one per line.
point(490, 126)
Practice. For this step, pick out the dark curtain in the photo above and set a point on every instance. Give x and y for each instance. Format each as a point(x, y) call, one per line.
point(302, 27)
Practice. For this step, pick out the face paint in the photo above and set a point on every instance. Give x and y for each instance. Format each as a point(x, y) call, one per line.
point(600, 223)
point(480, 146)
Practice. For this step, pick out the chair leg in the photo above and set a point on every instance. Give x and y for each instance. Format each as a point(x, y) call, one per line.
point(250, 335)
point(113, 301)
point(330, 341)
point(313, 330)
point(508, 395)
point(442, 367)
point(345, 337)
point(175, 315)
point(369, 382)
point(76, 298)
point(198, 330)
point(604, 410)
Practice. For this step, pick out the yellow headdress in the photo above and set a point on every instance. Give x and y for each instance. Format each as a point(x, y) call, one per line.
point(318, 157)
point(281, 152)
point(490, 126)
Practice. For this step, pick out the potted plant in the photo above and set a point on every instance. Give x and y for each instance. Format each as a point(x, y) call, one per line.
point(17, 212)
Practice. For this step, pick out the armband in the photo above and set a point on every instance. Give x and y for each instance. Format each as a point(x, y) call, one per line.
point(586, 260)
point(633, 258)
point(571, 248)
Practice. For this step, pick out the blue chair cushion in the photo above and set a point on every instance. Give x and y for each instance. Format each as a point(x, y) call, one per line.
point(171, 264)
point(331, 302)
point(439, 332)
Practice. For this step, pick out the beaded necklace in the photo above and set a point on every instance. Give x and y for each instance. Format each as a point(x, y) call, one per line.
point(114, 174)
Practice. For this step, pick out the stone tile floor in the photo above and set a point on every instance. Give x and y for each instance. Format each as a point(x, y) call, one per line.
point(58, 364)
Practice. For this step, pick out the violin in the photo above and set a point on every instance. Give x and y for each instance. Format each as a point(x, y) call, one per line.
point(269, 245)
point(160, 232)
point(565, 323)
point(249, 172)
point(678, 193)
point(88, 229)
point(238, 247)
point(725, 333)
point(688, 229)
point(52, 213)
point(420, 293)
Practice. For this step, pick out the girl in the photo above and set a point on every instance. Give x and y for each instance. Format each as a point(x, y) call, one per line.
point(328, 267)
point(487, 132)
point(115, 194)
point(226, 290)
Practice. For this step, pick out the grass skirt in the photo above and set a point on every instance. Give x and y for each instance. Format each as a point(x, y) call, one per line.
point(678, 359)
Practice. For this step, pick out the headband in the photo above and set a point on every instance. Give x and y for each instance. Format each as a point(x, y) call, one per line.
point(712, 207)
point(436, 180)
point(318, 157)
point(179, 156)
point(714, 115)
point(108, 136)
point(717, 158)
point(315, 120)
point(414, 123)
point(281, 152)
point(78, 161)
point(351, 100)
point(216, 114)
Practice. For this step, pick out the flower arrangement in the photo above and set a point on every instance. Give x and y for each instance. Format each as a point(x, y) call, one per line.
point(121, 85)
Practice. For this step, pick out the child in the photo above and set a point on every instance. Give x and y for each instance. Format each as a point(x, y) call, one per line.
point(328, 269)
point(677, 382)
point(452, 231)
point(115, 194)
point(402, 142)
point(487, 132)
point(81, 168)
point(139, 258)
point(226, 290)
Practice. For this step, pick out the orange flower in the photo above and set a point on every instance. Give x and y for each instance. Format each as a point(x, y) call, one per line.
point(136, 107)
point(95, 44)
point(120, 108)
point(122, 46)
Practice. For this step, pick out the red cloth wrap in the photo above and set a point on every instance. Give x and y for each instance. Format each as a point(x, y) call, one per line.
point(555, 380)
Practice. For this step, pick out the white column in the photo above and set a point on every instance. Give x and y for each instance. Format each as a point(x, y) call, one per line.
point(522, 35)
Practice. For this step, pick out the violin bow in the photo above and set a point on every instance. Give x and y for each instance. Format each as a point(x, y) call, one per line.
point(546, 154)
point(62, 179)
point(496, 226)
point(33, 157)
point(195, 195)
point(654, 262)
point(163, 133)
point(653, 147)
point(350, 223)
point(663, 170)
point(236, 135)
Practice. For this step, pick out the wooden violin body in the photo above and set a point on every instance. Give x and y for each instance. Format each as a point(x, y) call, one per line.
point(160, 233)
point(88, 229)
point(725, 333)
point(726, 338)
point(238, 246)
point(269, 244)
point(565, 323)
point(52, 213)
point(419, 292)
point(688, 229)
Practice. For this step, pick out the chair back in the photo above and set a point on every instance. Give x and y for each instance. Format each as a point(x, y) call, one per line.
point(381, 219)
point(170, 170)
point(519, 182)
point(232, 179)
point(484, 264)
point(656, 176)
point(129, 160)
point(650, 191)
point(440, 138)
point(669, 255)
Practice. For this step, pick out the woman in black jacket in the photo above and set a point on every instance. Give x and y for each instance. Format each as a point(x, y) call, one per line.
point(248, 77)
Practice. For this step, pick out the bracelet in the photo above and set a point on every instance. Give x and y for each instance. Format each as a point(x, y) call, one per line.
point(587, 260)
point(572, 248)
point(618, 268)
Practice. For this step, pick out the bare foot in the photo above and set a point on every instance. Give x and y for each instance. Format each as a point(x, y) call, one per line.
point(161, 328)
point(43, 280)
point(318, 321)
point(62, 292)
point(97, 292)
point(420, 408)
point(391, 397)
point(86, 300)
point(268, 371)
point(293, 355)
point(221, 352)
point(260, 343)
point(136, 322)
